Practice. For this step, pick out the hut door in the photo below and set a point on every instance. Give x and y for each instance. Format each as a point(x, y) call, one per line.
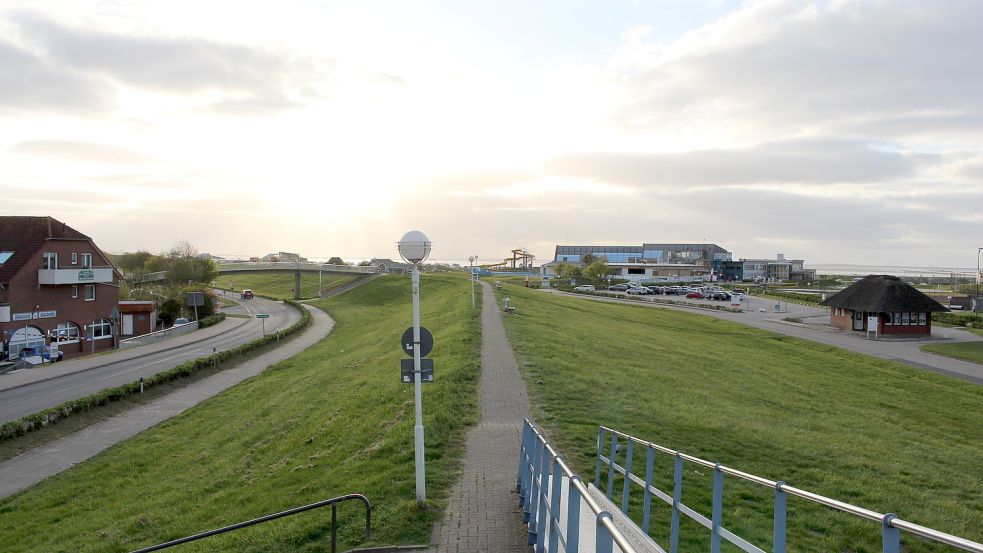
point(858, 320)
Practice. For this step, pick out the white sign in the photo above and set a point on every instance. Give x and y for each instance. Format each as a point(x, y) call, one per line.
point(22, 316)
point(47, 314)
point(872, 323)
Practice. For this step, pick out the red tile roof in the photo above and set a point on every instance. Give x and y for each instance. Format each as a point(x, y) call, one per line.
point(25, 235)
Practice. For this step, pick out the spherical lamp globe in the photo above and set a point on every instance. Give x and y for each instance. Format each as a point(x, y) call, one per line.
point(414, 247)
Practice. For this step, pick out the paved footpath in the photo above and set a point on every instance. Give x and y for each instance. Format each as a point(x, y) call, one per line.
point(483, 513)
point(39, 463)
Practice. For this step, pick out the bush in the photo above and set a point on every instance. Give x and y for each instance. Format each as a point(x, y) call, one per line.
point(211, 320)
point(959, 319)
point(19, 427)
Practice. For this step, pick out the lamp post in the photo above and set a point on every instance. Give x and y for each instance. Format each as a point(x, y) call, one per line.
point(471, 260)
point(414, 247)
point(976, 305)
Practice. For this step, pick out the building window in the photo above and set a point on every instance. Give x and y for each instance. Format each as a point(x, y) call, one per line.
point(90, 292)
point(99, 328)
point(66, 332)
point(75, 291)
point(904, 318)
point(922, 319)
point(4, 256)
point(896, 317)
point(887, 319)
point(75, 258)
point(86, 260)
point(49, 260)
point(914, 319)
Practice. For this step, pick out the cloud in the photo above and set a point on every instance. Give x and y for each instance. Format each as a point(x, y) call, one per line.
point(29, 82)
point(885, 68)
point(794, 161)
point(251, 79)
point(79, 150)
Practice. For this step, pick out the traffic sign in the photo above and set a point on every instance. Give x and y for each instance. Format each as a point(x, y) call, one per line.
point(262, 315)
point(406, 371)
point(426, 342)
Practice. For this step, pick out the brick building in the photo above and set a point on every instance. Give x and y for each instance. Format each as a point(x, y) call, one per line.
point(899, 308)
point(56, 286)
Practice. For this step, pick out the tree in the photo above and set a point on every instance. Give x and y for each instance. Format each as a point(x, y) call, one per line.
point(596, 270)
point(569, 270)
point(336, 261)
point(184, 265)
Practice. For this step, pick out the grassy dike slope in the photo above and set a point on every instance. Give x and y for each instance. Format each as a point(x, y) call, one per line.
point(332, 420)
point(875, 433)
point(280, 284)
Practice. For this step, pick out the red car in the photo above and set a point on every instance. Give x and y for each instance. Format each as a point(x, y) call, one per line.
point(694, 295)
point(246, 294)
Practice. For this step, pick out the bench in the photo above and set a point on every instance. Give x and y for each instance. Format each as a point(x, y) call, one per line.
point(507, 305)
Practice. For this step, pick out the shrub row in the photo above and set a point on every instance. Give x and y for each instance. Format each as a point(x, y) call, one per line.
point(795, 297)
point(959, 319)
point(13, 429)
point(212, 320)
point(656, 299)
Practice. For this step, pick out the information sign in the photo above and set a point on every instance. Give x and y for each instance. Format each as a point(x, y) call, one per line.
point(406, 371)
point(262, 315)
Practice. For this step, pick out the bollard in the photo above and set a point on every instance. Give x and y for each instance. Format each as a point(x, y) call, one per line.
point(141, 384)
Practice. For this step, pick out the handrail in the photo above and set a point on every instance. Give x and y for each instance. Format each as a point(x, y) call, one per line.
point(534, 479)
point(333, 502)
point(890, 521)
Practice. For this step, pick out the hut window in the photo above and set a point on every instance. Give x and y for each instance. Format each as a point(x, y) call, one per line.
point(887, 319)
point(914, 319)
point(904, 318)
point(896, 317)
point(922, 319)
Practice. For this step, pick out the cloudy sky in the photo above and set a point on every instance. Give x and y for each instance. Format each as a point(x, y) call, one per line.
point(838, 132)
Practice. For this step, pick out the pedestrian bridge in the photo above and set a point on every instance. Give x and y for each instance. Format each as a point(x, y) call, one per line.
point(565, 514)
point(246, 266)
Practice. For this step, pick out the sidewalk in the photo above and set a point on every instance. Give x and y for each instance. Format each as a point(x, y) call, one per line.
point(37, 464)
point(483, 513)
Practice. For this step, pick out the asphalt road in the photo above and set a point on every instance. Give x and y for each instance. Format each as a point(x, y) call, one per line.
point(114, 371)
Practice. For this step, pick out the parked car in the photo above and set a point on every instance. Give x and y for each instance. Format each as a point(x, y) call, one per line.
point(618, 287)
point(181, 321)
point(44, 352)
point(695, 295)
point(656, 289)
point(638, 290)
point(720, 296)
point(584, 288)
point(246, 294)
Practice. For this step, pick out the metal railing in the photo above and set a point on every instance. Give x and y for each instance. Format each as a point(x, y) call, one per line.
point(333, 502)
point(891, 525)
point(543, 478)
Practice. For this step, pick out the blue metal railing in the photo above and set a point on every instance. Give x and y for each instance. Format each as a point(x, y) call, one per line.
point(542, 481)
point(333, 503)
point(891, 525)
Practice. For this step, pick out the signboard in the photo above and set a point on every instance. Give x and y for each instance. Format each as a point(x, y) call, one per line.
point(47, 314)
point(426, 341)
point(406, 371)
point(195, 299)
point(86, 274)
point(262, 315)
point(22, 316)
point(872, 324)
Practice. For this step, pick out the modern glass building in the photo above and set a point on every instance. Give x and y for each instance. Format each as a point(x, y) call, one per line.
point(709, 256)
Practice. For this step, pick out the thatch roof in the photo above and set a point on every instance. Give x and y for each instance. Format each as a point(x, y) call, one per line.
point(883, 293)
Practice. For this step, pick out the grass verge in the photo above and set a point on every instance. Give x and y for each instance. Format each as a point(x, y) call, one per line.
point(871, 432)
point(331, 420)
point(280, 284)
point(967, 351)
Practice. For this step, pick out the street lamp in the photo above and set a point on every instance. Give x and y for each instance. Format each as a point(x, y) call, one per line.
point(414, 247)
point(471, 260)
point(979, 276)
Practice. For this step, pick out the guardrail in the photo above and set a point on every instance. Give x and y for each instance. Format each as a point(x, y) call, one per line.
point(333, 502)
point(891, 525)
point(158, 335)
point(225, 268)
point(543, 478)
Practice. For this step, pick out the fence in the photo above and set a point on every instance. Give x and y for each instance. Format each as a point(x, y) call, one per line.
point(891, 525)
point(542, 481)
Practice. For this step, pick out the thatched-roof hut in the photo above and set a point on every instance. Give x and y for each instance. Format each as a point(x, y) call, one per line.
point(900, 308)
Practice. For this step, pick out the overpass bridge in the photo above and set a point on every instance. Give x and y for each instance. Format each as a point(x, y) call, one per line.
point(247, 266)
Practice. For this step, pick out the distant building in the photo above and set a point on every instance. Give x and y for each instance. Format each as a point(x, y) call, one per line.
point(137, 317)
point(281, 257)
point(767, 270)
point(897, 308)
point(384, 265)
point(648, 262)
point(56, 286)
point(210, 256)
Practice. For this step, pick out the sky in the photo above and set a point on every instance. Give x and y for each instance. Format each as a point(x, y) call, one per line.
point(834, 131)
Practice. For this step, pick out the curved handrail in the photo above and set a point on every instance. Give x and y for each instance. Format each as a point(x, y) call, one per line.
point(334, 522)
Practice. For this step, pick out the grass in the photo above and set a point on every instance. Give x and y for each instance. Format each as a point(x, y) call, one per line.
point(968, 351)
point(331, 420)
point(280, 284)
point(872, 432)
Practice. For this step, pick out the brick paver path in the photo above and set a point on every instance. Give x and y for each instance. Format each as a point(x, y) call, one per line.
point(483, 513)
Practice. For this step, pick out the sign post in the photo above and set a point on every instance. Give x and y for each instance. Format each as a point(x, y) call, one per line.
point(414, 247)
point(263, 317)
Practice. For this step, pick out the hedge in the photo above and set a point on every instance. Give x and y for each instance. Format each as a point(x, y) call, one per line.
point(19, 427)
point(212, 320)
point(959, 319)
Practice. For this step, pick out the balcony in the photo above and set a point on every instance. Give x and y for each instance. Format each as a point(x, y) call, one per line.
point(76, 275)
